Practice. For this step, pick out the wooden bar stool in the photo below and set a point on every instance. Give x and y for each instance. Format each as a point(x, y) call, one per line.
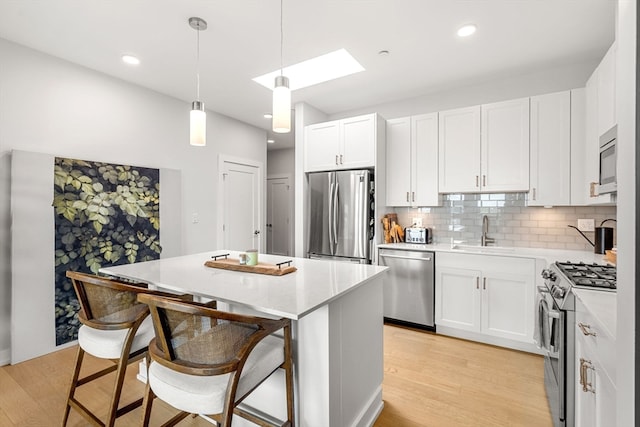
point(115, 326)
point(206, 361)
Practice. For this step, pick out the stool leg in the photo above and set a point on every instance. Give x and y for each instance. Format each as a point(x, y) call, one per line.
point(117, 390)
point(148, 398)
point(73, 385)
point(288, 365)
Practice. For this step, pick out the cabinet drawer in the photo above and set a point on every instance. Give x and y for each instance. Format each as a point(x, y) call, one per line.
point(596, 339)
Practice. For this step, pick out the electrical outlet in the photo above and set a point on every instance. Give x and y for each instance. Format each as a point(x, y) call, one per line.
point(586, 225)
point(417, 221)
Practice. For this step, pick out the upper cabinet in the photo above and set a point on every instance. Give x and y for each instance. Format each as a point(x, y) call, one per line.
point(412, 161)
point(485, 148)
point(459, 150)
point(606, 82)
point(550, 174)
point(600, 117)
point(341, 144)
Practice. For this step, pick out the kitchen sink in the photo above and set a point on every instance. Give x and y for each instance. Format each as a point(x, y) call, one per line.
point(484, 249)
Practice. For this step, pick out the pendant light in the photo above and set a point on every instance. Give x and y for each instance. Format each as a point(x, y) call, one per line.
point(281, 95)
point(197, 116)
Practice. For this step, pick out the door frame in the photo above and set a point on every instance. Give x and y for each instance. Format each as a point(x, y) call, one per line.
point(262, 199)
point(289, 179)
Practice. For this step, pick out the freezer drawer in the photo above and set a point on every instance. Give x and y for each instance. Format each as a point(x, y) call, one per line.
point(409, 287)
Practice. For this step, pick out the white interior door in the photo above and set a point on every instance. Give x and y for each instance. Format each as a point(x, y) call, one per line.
point(241, 206)
point(279, 216)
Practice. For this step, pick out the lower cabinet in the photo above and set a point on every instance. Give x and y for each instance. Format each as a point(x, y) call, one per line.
point(595, 392)
point(490, 296)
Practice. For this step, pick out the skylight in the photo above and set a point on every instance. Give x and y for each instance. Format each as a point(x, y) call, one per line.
point(316, 70)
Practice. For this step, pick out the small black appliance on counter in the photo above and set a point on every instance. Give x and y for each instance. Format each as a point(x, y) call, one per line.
point(418, 235)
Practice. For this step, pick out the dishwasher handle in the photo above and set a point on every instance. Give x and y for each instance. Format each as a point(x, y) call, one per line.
point(405, 257)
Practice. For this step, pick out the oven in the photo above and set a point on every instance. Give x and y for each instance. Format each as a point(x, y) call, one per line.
point(554, 327)
point(555, 323)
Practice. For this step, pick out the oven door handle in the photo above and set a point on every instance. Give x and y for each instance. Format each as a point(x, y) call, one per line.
point(543, 290)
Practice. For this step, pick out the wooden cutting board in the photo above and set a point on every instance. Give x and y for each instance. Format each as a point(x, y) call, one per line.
point(233, 264)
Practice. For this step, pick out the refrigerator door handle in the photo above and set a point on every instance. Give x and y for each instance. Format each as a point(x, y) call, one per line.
point(334, 215)
point(331, 202)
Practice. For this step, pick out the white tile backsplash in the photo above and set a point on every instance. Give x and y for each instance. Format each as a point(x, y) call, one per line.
point(511, 221)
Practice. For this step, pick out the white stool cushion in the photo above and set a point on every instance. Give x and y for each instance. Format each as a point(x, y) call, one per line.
point(108, 344)
point(205, 394)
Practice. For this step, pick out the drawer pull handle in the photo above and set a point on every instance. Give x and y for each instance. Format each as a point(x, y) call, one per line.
point(586, 329)
point(585, 367)
point(477, 282)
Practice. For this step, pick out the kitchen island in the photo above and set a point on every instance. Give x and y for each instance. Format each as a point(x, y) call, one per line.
point(336, 310)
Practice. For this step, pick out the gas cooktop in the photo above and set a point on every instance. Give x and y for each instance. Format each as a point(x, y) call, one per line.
point(589, 276)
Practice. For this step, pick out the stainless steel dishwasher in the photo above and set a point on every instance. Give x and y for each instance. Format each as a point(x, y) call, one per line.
point(409, 287)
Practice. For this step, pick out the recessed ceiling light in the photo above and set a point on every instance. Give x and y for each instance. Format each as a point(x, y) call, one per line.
point(466, 30)
point(268, 115)
point(130, 59)
point(316, 70)
point(270, 141)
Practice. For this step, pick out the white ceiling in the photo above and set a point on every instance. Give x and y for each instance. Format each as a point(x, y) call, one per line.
point(243, 41)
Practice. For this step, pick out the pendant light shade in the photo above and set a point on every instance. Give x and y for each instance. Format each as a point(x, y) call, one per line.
point(197, 116)
point(281, 94)
point(198, 124)
point(281, 105)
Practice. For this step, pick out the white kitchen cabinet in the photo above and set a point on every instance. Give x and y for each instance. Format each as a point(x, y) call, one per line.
point(550, 138)
point(459, 150)
point(606, 78)
point(595, 391)
point(341, 144)
point(505, 146)
point(412, 161)
point(591, 147)
point(490, 296)
point(485, 148)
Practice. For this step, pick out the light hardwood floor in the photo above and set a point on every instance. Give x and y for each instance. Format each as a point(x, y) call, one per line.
point(429, 380)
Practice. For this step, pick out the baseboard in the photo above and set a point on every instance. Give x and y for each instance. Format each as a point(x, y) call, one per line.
point(487, 339)
point(371, 410)
point(5, 357)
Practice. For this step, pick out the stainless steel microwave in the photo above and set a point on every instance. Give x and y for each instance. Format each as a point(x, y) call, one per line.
point(608, 159)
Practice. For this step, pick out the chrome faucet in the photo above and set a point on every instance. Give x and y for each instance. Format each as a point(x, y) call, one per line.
point(484, 240)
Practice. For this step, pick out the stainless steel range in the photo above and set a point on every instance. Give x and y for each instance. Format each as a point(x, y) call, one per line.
point(555, 322)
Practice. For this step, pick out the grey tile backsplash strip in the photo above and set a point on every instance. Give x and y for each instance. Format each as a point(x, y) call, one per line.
point(511, 221)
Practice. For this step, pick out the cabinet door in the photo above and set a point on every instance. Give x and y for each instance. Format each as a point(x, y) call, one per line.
point(505, 146)
point(507, 305)
point(459, 150)
point(550, 150)
point(607, 91)
point(585, 401)
point(458, 298)
point(424, 160)
point(358, 142)
point(399, 161)
point(579, 186)
point(321, 146)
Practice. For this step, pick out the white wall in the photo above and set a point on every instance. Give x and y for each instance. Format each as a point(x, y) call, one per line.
point(499, 89)
point(281, 162)
point(52, 106)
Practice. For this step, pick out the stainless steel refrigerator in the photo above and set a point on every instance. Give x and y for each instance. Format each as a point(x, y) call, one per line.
point(341, 215)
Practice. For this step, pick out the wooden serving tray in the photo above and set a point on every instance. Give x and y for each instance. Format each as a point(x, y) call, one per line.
point(262, 268)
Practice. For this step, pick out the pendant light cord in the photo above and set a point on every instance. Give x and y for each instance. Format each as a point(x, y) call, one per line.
point(198, 64)
point(281, 37)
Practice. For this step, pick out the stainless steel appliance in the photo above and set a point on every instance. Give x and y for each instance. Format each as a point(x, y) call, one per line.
point(555, 322)
point(409, 287)
point(608, 162)
point(341, 215)
point(417, 235)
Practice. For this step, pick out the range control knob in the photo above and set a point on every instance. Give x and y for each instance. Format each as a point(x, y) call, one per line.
point(557, 292)
point(545, 273)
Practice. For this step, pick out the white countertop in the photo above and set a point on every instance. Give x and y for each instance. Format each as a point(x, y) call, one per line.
point(602, 305)
point(549, 255)
point(313, 285)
